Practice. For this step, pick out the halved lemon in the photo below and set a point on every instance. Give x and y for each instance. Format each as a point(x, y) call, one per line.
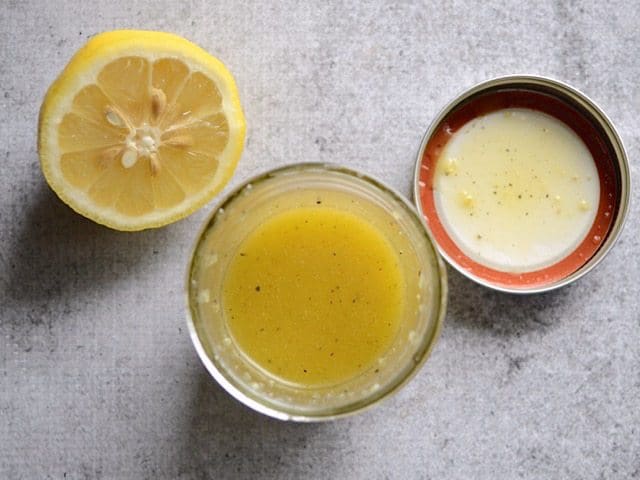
point(140, 129)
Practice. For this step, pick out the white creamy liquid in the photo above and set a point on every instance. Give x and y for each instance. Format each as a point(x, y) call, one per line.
point(517, 190)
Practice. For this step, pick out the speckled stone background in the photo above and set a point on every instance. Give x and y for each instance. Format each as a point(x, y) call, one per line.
point(98, 378)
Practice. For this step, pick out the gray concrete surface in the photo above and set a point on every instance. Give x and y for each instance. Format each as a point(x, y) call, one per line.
point(98, 378)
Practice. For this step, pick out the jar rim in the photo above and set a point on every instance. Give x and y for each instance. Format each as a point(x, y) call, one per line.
point(358, 405)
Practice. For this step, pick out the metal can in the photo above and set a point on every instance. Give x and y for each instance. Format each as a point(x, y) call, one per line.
point(575, 110)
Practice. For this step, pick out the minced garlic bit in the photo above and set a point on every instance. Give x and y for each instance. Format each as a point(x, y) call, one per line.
point(204, 296)
point(467, 199)
point(451, 166)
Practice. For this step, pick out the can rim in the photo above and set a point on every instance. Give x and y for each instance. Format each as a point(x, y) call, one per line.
point(621, 165)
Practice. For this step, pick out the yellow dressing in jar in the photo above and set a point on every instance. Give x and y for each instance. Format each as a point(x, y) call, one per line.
point(314, 295)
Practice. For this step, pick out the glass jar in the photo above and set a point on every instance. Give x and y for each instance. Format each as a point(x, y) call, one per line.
point(296, 186)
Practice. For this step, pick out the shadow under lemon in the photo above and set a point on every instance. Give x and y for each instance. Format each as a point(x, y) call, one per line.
point(59, 257)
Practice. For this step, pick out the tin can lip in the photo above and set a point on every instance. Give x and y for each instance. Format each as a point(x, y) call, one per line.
point(419, 359)
point(588, 110)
